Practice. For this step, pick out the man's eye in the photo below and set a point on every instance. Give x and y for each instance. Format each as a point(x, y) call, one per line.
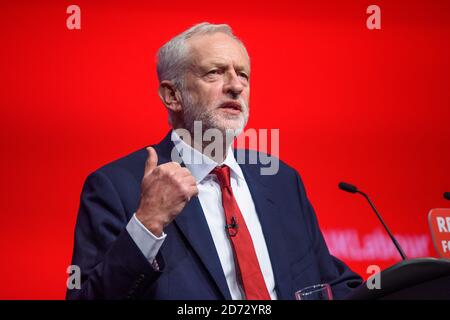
point(213, 72)
point(243, 75)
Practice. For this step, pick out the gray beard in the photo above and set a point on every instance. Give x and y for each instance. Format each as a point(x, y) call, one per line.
point(192, 112)
point(202, 125)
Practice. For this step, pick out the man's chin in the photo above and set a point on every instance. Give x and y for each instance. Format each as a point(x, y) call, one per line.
point(233, 123)
point(234, 128)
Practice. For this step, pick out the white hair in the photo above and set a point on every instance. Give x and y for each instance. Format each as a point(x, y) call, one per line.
point(172, 58)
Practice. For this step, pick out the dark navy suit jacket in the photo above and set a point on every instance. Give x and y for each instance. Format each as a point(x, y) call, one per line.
point(113, 267)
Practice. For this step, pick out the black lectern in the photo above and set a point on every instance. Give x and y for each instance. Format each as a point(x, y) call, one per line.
point(424, 278)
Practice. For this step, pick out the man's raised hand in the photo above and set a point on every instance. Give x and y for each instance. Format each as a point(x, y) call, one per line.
point(165, 190)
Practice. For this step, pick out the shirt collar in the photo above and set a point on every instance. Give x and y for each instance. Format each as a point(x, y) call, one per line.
point(200, 165)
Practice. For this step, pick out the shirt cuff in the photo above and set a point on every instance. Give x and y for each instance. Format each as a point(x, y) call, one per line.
point(147, 242)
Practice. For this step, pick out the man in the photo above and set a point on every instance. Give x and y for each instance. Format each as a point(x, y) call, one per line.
point(209, 228)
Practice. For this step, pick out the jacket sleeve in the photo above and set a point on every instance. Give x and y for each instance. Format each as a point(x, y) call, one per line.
point(111, 264)
point(332, 270)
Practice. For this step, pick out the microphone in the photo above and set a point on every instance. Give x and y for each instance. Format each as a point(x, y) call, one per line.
point(352, 189)
point(348, 187)
point(232, 228)
point(447, 195)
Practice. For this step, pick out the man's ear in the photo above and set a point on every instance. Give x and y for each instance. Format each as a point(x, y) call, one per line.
point(170, 95)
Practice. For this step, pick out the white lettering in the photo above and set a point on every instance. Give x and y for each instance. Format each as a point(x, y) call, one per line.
point(374, 281)
point(374, 20)
point(74, 20)
point(441, 224)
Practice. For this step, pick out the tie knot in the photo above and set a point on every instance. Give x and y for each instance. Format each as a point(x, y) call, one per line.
point(223, 175)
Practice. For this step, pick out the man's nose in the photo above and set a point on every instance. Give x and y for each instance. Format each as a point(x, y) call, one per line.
point(233, 85)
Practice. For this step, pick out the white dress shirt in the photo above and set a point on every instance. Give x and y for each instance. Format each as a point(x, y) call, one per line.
point(210, 197)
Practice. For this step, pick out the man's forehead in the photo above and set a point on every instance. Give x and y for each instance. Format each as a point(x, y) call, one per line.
point(217, 49)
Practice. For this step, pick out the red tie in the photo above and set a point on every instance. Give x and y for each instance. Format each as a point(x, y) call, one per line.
point(244, 251)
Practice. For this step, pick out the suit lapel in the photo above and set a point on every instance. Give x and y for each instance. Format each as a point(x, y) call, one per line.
point(269, 217)
point(193, 225)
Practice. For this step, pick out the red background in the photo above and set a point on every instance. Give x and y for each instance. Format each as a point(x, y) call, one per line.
point(370, 107)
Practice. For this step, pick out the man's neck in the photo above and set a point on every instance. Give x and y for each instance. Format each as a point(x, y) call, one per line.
point(215, 150)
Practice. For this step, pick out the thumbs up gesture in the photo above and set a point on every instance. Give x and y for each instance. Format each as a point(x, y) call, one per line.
point(165, 190)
